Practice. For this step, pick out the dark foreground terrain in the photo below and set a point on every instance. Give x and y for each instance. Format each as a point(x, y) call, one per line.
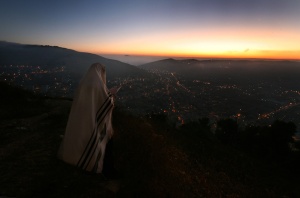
point(154, 159)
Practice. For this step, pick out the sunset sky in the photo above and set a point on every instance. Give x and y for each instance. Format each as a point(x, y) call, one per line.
point(191, 28)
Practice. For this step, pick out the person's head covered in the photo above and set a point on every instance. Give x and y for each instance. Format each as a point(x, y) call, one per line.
point(99, 70)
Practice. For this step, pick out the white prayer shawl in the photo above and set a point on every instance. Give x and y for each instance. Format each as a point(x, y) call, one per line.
point(89, 126)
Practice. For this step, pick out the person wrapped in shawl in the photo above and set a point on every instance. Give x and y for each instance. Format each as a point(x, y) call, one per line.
point(89, 126)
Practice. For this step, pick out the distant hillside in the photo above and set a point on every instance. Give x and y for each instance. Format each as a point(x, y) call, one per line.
point(78, 62)
point(227, 68)
point(173, 65)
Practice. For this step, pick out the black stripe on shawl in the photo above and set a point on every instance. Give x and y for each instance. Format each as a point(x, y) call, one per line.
point(97, 160)
point(101, 114)
point(91, 146)
point(93, 138)
point(108, 97)
point(102, 135)
point(90, 155)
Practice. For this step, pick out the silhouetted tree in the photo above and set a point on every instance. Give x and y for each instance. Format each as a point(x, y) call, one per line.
point(268, 141)
point(297, 145)
point(204, 122)
point(227, 130)
point(247, 139)
point(281, 134)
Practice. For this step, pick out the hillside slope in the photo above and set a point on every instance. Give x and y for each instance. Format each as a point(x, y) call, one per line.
point(51, 56)
point(155, 160)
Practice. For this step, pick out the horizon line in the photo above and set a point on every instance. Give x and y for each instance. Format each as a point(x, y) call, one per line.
point(183, 56)
point(194, 57)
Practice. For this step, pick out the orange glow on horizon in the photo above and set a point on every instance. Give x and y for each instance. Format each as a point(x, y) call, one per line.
point(260, 54)
point(212, 43)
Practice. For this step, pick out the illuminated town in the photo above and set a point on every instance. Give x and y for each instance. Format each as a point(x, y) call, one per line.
point(180, 99)
point(185, 100)
point(54, 82)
